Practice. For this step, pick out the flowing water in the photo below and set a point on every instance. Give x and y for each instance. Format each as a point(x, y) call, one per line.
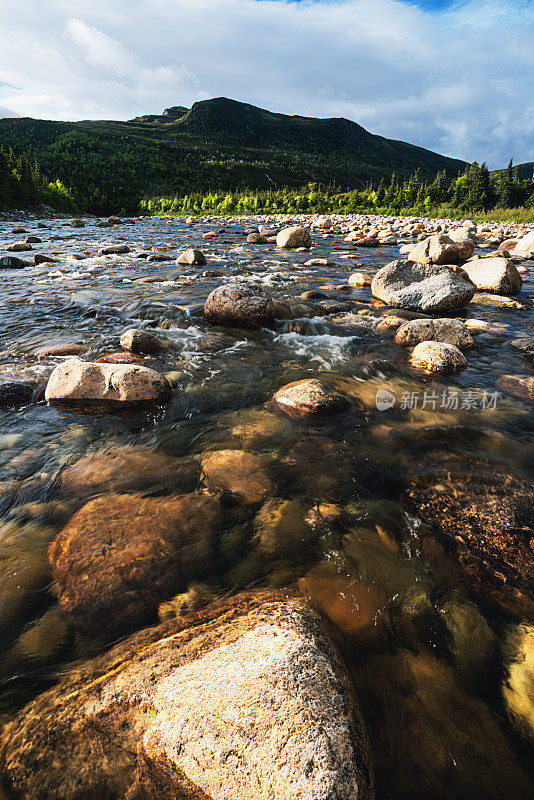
point(437, 644)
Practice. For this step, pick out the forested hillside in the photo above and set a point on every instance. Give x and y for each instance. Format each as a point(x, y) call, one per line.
point(217, 145)
point(23, 184)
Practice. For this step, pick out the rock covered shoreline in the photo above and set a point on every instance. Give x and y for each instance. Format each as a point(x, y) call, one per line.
point(251, 698)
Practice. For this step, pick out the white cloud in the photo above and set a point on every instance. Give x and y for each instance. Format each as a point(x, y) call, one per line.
point(459, 82)
point(7, 112)
point(100, 50)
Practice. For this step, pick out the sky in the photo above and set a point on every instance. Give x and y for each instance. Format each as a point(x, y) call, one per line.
point(455, 76)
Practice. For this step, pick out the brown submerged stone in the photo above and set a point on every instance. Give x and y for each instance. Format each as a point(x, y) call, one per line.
point(247, 476)
point(433, 740)
point(121, 554)
point(245, 699)
point(63, 349)
point(484, 517)
point(128, 468)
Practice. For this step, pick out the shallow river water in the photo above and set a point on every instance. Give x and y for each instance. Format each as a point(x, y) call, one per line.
point(438, 635)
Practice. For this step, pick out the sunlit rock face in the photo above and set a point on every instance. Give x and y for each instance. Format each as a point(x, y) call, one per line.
point(248, 699)
point(425, 287)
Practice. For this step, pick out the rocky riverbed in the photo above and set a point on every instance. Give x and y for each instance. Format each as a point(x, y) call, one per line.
point(266, 508)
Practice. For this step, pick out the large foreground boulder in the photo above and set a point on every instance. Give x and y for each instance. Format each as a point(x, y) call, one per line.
point(245, 699)
point(121, 554)
point(497, 275)
point(245, 306)
point(86, 382)
point(422, 287)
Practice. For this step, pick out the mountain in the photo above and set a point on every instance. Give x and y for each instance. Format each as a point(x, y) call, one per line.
point(217, 144)
point(525, 172)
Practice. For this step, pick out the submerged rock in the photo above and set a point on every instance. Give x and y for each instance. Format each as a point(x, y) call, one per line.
point(63, 349)
point(235, 304)
point(525, 346)
point(450, 331)
point(246, 699)
point(520, 386)
point(121, 554)
point(431, 739)
point(17, 393)
point(518, 689)
point(283, 528)
point(438, 357)
point(497, 275)
point(128, 468)
point(247, 476)
point(43, 640)
point(309, 397)
point(24, 572)
point(484, 517)
point(90, 382)
point(296, 236)
point(197, 596)
point(422, 287)
point(352, 604)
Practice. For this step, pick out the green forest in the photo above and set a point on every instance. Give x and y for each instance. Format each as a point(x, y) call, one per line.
point(23, 185)
point(476, 191)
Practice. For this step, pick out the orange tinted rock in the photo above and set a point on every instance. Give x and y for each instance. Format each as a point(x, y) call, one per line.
point(248, 476)
point(354, 606)
point(128, 468)
point(121, 554)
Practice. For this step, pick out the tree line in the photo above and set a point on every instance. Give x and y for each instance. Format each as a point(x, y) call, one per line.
point(476, 191)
